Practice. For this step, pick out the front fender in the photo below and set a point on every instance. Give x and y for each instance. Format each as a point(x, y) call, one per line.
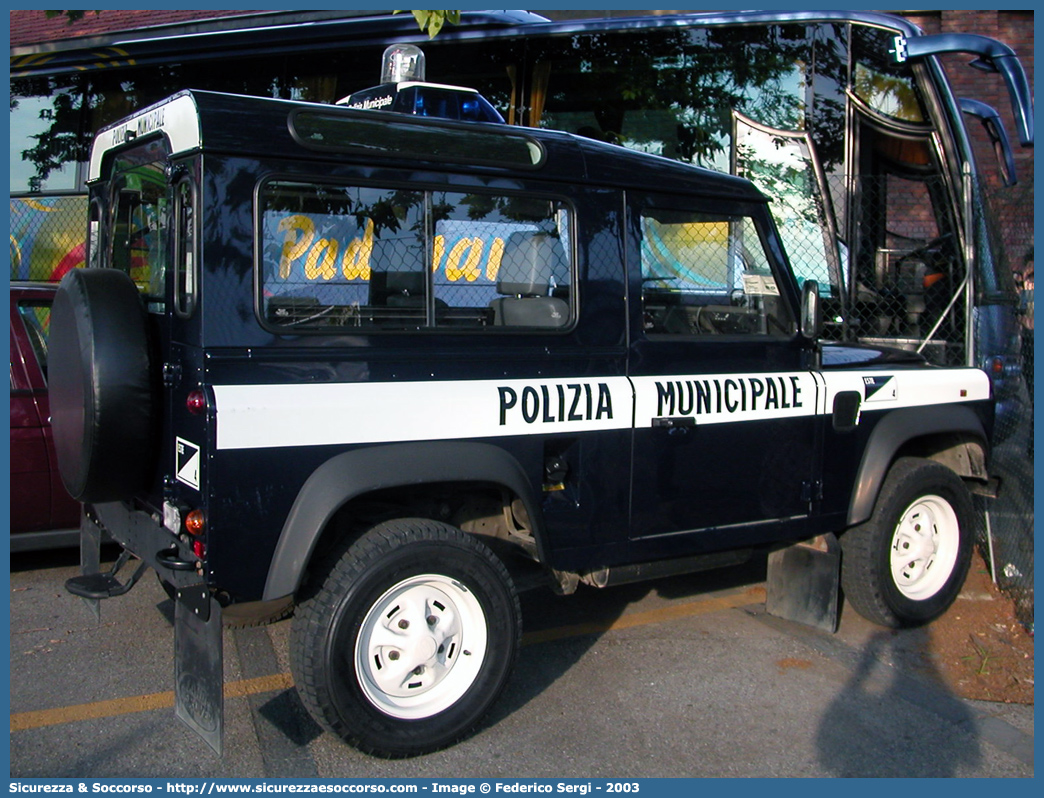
point(354, 473)
point(896, 430)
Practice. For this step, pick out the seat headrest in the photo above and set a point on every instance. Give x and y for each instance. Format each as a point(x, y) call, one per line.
point(528, 263)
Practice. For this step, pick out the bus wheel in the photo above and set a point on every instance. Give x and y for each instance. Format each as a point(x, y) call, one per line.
point(906, 565)
point(102, 394)
point(408, 640)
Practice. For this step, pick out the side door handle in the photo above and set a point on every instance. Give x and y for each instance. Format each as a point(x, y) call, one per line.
point(674, 423)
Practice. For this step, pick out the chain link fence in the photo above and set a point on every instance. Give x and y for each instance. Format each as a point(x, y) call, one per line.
point(1007, 542)
point(895, 275)
point(47, 236)
point(907, 288)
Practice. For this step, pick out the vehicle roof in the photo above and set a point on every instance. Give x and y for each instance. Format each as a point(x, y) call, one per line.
point(195, 120)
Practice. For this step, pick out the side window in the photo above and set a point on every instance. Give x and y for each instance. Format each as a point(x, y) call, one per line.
point(342, 256)
point(185, 237)
point(707, 274)
point(396, 259)
point(501, 261)
point(94, 234)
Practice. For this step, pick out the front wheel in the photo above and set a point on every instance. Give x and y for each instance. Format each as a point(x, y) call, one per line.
point(408, 640)
point(906, 565)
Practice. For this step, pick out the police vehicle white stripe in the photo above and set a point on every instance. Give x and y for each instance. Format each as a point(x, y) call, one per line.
point(915, 388)
point(259, 416)
point(254, 416)
point(724, 398)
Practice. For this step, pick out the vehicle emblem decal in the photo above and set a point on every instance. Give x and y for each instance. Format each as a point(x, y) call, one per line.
point(187, 462)
point(879, 389)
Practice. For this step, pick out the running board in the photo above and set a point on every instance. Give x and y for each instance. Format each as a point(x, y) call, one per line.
point(639, 572)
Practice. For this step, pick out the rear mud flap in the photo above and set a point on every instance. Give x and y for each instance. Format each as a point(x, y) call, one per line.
point(803, 583)
point(198, 664)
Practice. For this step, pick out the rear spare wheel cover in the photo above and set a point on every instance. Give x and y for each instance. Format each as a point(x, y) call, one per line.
point(100, 384)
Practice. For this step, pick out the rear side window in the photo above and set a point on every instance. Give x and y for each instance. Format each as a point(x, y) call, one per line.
point(334, 257)
point(186, 221)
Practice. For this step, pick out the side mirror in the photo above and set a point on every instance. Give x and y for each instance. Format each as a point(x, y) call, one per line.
point(811, 312)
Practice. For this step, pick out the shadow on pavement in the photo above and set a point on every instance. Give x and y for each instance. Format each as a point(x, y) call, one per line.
point(870, 709)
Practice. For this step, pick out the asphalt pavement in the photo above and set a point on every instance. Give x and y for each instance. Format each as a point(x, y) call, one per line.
point(683, 677)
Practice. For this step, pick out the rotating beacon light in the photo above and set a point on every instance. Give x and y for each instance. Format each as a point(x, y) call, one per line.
point(401, 63)
point(403, 89)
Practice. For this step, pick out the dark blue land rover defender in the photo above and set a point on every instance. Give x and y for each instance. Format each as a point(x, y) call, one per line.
point(361, 365)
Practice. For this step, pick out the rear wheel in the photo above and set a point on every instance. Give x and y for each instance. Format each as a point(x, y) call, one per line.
point(409, 639)
point(906, 565)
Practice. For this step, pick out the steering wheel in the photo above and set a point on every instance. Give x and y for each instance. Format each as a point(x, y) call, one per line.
point(926, 247)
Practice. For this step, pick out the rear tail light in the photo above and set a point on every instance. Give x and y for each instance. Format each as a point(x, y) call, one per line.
point(195, 524)
point(196, 402)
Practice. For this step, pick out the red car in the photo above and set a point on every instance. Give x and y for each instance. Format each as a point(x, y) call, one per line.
point(42, 514)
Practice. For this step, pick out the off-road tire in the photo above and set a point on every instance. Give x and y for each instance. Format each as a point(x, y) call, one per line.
point(419, 579)
point(907, 563)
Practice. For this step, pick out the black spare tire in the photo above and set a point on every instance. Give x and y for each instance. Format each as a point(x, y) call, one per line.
point(100, 380)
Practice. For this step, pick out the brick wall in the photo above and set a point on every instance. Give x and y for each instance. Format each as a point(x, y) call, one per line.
point(33, 27)
point(1013, 206)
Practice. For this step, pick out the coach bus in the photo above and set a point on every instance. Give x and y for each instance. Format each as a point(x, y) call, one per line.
point(845, 119)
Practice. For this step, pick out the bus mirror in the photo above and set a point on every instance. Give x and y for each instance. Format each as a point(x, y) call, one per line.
point(811, 313)
point(991, 121)
point(994, 56)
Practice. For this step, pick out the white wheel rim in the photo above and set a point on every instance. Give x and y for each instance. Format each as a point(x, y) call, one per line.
point(924, 547)
point(421, 646)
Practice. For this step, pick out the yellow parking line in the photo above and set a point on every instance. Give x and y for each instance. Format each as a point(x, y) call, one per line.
point(22, 721)
point(661, 615)
point(140, 703)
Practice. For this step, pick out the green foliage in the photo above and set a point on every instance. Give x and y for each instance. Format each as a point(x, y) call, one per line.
point(71, 16)
point(433, 21)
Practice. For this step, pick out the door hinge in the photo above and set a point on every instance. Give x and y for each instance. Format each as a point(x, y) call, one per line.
point(812, 491)
point(171, 374)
